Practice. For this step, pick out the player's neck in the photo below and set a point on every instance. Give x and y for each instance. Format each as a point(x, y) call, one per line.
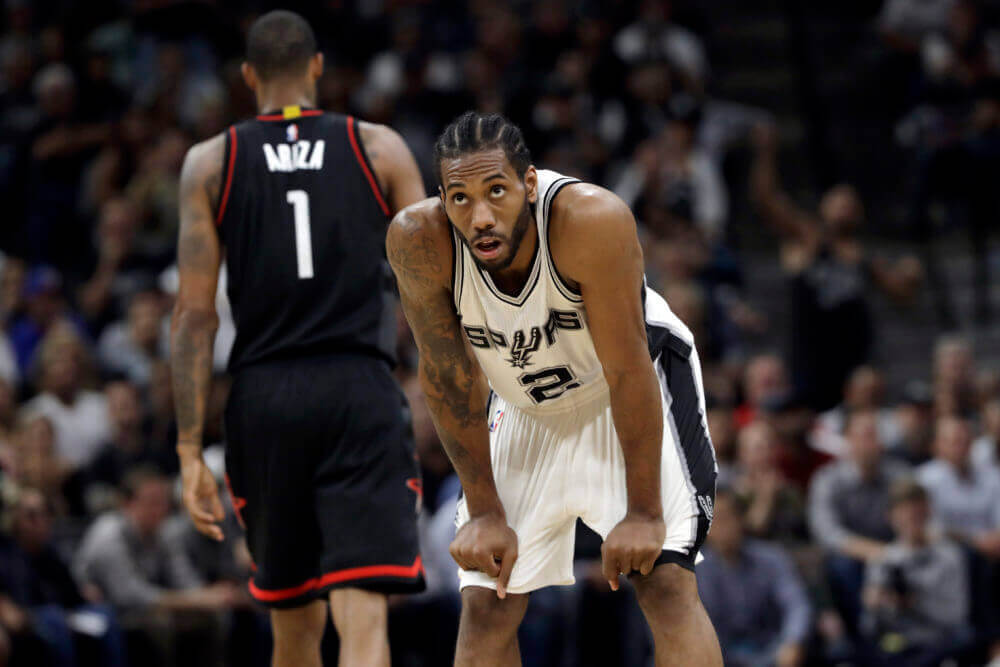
point(512, 279)
point(277, 95)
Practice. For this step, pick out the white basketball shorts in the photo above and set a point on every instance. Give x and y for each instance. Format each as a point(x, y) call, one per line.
point(551, 470)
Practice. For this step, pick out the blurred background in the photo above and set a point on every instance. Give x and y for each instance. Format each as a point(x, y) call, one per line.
point(816, 186)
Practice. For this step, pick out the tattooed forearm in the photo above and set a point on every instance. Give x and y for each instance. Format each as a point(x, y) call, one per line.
point(192, 335)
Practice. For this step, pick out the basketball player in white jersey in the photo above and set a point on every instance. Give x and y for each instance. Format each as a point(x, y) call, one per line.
point(561, 387)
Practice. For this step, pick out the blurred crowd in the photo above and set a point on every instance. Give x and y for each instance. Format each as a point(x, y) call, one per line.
point(855, 522)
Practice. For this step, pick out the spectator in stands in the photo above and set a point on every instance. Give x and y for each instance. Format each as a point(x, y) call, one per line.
point(752, 592)
point(78, 414)
point(44, 307)
point(127, 448)
point(916, 595)
point(954, 377)
point(954, 135)
point(849, 511)
point(792, 423)
point(986, 448)
point(132, 345)
point(118, 269)
point(775, 510)
point(830, 272)
point(37, 579)
point(864, 390)
point(36, 464)
point(153, 189)
point(672, 185)
point(653, 35)
point(119, 159)
point(765, 377)
point(915, 419)
point(61, 145)
point(151, 584)
point(965, 498)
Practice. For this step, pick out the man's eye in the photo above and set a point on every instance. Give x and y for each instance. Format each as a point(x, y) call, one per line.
point(497, 190)
point(458, 198)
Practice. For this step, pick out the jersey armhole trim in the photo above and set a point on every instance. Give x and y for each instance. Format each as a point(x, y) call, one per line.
point(568, 292)
point(228, 183)
point(362, 158)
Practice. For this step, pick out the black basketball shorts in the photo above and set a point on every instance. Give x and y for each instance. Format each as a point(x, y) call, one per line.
point(321, 466)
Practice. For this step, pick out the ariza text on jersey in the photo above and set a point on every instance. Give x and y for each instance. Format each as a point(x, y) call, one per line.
point(292, 157)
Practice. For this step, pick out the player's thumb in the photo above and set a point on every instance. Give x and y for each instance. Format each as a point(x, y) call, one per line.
point(506, 567)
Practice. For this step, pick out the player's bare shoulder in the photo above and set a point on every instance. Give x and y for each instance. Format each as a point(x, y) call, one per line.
point(203, 167)
point(419, 245)
point(589, 226)
point(383, 146)
point(394, 166)
point(379, 140)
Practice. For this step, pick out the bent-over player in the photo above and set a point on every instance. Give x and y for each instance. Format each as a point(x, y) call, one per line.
point(530, 284)
point(318, 454)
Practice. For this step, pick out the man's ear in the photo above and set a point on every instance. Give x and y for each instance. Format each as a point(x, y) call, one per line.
point(531, 184)
point(316, 66)
point(249, 76)
point(441, 193)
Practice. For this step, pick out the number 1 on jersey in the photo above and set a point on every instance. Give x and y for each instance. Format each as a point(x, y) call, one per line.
point(303, 235)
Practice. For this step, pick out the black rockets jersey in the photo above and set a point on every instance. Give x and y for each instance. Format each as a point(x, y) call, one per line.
point(303, 223)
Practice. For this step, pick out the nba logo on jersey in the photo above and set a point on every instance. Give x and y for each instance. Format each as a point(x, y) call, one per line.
point(495, 424)
point(292, 132)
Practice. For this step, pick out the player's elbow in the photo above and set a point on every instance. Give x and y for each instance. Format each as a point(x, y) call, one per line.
point(189, 319)
point(628, 372)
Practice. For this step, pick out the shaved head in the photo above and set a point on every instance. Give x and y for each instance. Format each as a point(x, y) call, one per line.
point(280, 43)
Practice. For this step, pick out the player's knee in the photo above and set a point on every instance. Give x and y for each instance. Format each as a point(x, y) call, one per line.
point(486, 614)
point(300, 626)
point(668, 591)
point(359, 613)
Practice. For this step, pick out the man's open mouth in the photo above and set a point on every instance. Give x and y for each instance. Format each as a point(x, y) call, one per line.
point(488, 247)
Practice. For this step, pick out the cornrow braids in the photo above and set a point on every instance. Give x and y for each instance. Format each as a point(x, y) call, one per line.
point(473, 132)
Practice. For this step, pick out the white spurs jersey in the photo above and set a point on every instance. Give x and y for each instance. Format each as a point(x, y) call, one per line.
point(535, 348)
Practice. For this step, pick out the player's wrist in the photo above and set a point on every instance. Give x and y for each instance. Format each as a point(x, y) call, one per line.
point(645, 512)
point(188, 450)
point(488, 511)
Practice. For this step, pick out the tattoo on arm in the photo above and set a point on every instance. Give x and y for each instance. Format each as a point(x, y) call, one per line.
point(453, 384)
point(195, 321)
point(191, 366)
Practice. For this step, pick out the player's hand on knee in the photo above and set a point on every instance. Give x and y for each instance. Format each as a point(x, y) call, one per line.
point(632, 546)
point(489, 545)
point(201, 496)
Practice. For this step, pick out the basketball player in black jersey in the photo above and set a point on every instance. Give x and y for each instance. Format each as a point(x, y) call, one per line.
point(319, 459)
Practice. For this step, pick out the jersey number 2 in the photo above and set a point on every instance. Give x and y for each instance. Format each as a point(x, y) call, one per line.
point(549, 383)
point(303, 234)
